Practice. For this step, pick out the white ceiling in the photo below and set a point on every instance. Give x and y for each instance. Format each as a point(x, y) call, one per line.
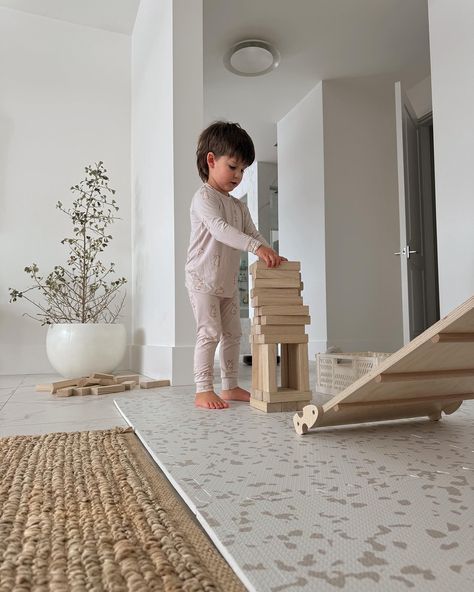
point(317, 39)
point(112, 15)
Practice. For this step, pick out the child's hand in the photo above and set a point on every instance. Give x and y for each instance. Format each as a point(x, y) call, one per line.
point(271, 257)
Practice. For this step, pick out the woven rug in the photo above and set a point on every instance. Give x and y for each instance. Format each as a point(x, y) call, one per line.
point(90, 511)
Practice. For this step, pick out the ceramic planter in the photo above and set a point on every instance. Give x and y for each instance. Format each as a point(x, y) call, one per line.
point(78, 349)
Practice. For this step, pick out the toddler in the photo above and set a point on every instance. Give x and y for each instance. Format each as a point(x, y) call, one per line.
point(221, 227)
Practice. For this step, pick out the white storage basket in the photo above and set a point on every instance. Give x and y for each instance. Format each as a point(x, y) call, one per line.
point(335, 372)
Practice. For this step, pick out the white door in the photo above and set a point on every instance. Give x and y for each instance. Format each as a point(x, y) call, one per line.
point(411, 219)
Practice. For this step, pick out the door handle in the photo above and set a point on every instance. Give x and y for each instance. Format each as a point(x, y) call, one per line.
point(406, 251)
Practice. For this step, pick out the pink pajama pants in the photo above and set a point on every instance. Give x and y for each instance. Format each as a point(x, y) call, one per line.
point(217, 320)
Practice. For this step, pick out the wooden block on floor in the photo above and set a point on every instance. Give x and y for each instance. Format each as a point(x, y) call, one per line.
point(101, 375)
point(259, 339)
point(284, 320)
point(276, 300)
point(129, 384)
point(62, 384)
point(277, 329)
point(274, 310)
point(146, 384)
point(86, 381)
point(82, 391)
point(105, 390)
point(43, 388)
point(105, 381)
point(65, 392)
point(277, 283)
point(266, 407)
point(284, 265)
point(285, 395)
point(127, 377)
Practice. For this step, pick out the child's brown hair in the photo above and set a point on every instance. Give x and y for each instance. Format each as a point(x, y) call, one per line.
point(223, 138)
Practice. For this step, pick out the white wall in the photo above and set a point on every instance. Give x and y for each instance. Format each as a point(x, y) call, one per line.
point(361, 207)
point(452, 48)
point(338, 211)
point(420, 97)
point(167, 114)
point(267, 177)
point(301, 205)
point(64, 103)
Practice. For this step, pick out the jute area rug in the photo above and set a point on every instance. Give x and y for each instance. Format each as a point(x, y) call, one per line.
point(90, 511)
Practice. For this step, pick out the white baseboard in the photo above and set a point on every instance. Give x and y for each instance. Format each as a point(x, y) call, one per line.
point(164, 362)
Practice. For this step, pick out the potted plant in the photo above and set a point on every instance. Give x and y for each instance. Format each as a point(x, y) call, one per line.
point(80, 302)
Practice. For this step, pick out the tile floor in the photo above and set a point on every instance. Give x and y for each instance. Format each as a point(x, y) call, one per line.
point(23, 411)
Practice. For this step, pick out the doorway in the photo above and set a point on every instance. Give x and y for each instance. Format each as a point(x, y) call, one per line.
point(428, 201)
point(418, 250)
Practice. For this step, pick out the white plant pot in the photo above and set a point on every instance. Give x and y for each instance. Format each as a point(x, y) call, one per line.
point(78, 349)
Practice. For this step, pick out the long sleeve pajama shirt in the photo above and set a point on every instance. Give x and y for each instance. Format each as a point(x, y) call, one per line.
point(221, 227)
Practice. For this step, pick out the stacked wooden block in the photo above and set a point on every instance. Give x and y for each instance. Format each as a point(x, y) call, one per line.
point(279, 318)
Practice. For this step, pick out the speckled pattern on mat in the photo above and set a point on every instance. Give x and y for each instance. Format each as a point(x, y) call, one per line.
point(76, 513)
point(360, 508)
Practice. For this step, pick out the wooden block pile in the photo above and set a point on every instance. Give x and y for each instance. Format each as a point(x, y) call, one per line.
point(280, 318)
point(99, 383)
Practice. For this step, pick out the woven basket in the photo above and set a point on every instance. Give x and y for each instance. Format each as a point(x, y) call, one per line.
point(335, 372)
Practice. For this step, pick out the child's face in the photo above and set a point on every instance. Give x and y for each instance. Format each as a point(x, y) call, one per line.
point(225, 172)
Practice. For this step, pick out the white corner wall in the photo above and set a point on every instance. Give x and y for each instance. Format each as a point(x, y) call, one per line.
point(420, 97)
point(452, 80)
point(301, 205)
point(166, 72)
point(64, 104)
point(363, 284)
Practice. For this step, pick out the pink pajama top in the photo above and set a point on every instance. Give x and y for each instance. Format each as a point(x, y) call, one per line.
point(221, 227)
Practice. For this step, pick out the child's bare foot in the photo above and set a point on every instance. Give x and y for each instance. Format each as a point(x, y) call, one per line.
point(209, 400)
point(236, 394)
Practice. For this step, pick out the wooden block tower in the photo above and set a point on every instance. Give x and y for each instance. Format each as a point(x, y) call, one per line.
point(280, 318)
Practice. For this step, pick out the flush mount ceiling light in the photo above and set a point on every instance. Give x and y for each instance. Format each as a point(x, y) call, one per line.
point(252, 57)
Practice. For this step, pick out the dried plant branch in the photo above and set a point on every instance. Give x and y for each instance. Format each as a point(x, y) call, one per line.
point(79, 293)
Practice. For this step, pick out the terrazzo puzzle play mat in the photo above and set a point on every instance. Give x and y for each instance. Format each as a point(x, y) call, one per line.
point(371, 507)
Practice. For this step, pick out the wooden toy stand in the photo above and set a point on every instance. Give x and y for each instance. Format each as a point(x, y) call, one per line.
point(280, 318)
point(432, 374)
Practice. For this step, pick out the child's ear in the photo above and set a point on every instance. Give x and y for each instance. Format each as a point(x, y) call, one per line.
point(211, 160)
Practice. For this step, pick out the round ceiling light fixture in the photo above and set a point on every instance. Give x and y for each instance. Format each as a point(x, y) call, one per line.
point(252, 57)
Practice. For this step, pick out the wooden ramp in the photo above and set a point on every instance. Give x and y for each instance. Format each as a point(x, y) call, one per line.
point(434, 373)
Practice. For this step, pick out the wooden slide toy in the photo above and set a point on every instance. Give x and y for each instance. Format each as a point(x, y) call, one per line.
point(431, 375)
